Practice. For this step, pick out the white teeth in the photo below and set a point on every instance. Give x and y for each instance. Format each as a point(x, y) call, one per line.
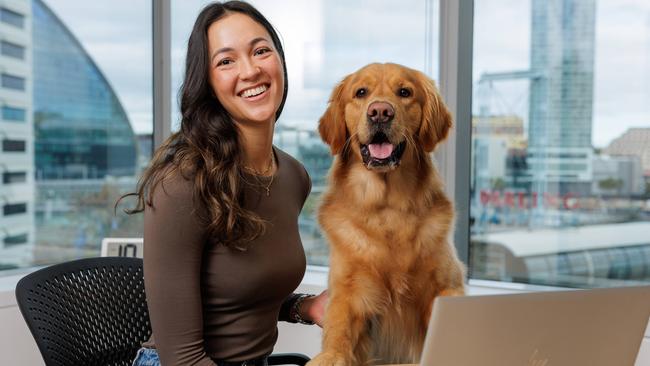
point(254, 91)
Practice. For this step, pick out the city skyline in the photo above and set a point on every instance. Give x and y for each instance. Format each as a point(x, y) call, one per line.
point(621, 83)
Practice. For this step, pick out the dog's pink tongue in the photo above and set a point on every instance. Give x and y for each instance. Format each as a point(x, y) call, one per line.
point(380, 151)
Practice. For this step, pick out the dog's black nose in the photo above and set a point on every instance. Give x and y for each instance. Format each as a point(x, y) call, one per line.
point(380, 112)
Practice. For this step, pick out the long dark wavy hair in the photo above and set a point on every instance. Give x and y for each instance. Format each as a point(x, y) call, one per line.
point(206, 149)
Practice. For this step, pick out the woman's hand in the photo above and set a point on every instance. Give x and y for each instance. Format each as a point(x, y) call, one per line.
point(313, 308)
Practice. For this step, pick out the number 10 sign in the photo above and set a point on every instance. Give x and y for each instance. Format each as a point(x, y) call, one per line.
point(122, 247)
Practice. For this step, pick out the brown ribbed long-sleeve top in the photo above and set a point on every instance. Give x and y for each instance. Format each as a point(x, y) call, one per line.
point(210, 302)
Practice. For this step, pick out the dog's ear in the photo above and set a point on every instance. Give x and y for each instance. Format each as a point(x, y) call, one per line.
point(331, 125)
point(436, 118)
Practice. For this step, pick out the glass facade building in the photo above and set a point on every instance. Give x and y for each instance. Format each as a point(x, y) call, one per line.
point(81, 129)
point(64, 134)
point(85, 149)
point(563, 37)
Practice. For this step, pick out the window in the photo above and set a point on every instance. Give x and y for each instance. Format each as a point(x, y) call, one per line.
point(14, 209)
point(323, 42)
point(12, 18)
point(85, 113)
point(560, 175)
point(14, 177)
point(13, 114)
point(13, 145)
point(12, 240)
point(12, 50)
point(12, 82)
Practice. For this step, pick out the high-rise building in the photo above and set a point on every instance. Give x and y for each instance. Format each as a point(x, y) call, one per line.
point(82, 131)
point(16, 134)
point(64, 135)
point(634, 142)
point(561, 95)
point(85, 148)
point(617, 176)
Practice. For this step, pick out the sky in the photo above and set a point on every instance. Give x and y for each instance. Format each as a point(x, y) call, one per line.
point(117, 34)
point(622, 61)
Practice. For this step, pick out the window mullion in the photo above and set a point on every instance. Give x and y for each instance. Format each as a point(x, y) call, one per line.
point(161, 12)
point(456, 36)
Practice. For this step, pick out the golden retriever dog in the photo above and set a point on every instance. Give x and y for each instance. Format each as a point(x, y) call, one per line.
point(386, 217)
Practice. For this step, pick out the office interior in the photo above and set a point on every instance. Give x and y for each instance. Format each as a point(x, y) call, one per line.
point(548, 163)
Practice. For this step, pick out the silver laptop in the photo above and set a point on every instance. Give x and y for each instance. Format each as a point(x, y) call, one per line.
point(582, 327)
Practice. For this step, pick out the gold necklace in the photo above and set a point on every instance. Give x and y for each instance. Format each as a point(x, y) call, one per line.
point(258, 174)
point(268, 186)
point(265, 172)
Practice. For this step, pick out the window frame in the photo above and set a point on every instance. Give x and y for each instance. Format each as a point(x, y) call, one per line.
point(162, 70)
point(455, 84)
point(15, 239)
point(9, 177)
point(11, 17)
point(13, 82)
point(454, 156)
point(11, 209)
point(9, 145)
point(12, 50)
point(8, 112)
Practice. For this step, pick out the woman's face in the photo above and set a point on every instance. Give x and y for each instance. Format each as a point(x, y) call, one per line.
point(245, 69)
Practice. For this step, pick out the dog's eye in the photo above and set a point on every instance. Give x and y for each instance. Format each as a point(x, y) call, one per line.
point(361, 92)
point(404, 93)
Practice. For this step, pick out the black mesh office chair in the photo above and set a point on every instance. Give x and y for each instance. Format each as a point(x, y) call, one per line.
point(93, 312)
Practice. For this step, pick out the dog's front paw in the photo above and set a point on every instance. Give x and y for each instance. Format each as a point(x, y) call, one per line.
point(329, 359)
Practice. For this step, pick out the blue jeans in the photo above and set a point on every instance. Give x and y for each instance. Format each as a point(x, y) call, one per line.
point(149, 357)
point(146, 357)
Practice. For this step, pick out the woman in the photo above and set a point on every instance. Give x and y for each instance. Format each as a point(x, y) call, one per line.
point(222, 249)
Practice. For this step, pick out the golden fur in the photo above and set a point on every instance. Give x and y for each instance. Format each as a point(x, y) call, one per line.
point(388, 225)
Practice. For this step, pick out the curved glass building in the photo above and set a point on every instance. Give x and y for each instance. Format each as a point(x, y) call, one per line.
point(81, 130)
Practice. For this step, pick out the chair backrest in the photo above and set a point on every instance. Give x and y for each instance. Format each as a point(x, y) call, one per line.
point(87, 312)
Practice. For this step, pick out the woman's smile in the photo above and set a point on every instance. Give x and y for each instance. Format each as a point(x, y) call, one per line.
point(252, 93)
